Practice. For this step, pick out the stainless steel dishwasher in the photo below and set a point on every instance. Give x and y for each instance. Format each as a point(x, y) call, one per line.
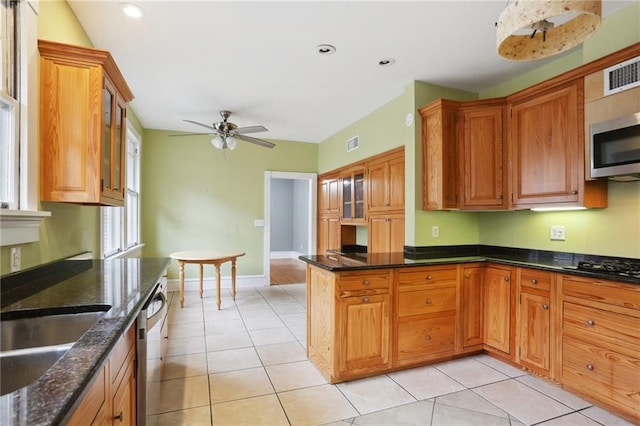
point(152, 317)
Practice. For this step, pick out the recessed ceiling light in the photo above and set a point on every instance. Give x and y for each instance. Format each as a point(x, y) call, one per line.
point(386, 62)
point(326, 49)
point(132, 10)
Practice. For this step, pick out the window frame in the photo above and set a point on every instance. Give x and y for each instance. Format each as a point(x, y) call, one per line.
point(114, 221)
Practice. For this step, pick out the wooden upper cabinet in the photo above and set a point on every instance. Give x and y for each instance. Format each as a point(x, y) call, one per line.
point(547, 150)
point(329, 194)
point(83, 101)
point(386, 233)
point(483, 154)
point(353, 195)
point(385, 182)
point(440, 155)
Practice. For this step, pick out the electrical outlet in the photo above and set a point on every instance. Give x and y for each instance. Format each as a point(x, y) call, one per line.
point(557, 233)
point(15, 259)
point(435, 231)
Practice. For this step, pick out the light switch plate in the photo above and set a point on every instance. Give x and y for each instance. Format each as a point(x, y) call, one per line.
point(557, 233)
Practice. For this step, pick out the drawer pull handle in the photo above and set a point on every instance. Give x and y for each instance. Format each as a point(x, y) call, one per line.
point(591, 323)
point(506, 278)
point(429, 277)
point(534, 281)
point(589, 367)
point(428, 337)
point(365, 282)
point(119, 417)
point(545, 306)
point(466, 276)
point(428, 301)
point(365, 300)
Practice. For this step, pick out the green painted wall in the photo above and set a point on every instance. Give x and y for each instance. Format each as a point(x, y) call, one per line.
point(196, 197)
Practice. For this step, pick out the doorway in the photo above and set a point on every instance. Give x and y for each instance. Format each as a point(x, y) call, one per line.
point(300, 213)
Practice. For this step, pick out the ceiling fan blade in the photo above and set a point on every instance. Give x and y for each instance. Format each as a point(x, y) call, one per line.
point(250, 129)
point(191, 134)
point(257, 141)
point(206, 126)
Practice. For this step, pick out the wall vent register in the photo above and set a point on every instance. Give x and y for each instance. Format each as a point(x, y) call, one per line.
point(622, 76)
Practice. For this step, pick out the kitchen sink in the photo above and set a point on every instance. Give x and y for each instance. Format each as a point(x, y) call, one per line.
point(32, 341)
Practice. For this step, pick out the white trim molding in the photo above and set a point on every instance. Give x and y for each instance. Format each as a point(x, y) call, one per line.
point(20, 226)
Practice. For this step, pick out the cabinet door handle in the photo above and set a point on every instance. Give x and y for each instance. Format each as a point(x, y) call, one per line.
point(574, 192)
point(427, 337)
point(545, 306)
point(429, 277)
point(589, 367)
point(119, 417)
point(466, 276)
point(591, 323)
point(365, 282)
point(500, 197)
point(534, 281)
point(506, 278)
point(365, 300)
point(428, 301)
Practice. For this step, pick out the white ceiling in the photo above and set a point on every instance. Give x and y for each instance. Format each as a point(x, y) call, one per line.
point(189, 60)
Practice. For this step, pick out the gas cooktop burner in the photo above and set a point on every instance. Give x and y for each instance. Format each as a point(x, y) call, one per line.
point(612, 268)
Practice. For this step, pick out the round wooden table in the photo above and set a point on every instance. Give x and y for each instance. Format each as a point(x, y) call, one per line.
point(206, 257)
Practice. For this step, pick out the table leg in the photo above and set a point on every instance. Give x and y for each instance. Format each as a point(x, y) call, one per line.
point(181, 274)
point(201, 267)
point(218, 284)
point(233, 278)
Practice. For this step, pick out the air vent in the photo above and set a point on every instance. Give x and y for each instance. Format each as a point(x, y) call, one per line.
point(622, 76)
point(353, 143)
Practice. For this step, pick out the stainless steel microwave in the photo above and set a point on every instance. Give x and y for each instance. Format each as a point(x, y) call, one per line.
point(615, 148)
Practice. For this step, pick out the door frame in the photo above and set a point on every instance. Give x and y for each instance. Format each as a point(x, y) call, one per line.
point(312, 181)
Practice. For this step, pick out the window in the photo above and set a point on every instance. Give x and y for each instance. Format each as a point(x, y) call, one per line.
point(121, 225)
point(9, 107)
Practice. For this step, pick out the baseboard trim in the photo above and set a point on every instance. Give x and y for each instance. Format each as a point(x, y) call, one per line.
point(285, 254)
point(209, 283)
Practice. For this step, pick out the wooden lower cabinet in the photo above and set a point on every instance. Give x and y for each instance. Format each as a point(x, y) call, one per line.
point(536, 316)
point(349, 322)
point(579, 332)
point(497, 311)
point(601, 342)
point(111, 397)
point(426, 306)
point(472, 310)
point(364, 333)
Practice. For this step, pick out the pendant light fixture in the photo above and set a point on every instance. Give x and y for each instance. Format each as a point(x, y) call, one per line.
point(535, 29)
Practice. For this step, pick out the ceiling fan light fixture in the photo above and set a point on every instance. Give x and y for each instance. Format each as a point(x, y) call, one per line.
point(132, 10)
point(231, 143)
point(218, 142)
point(545, 38)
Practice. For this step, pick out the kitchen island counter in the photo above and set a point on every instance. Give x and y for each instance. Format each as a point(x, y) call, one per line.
point(120, 287)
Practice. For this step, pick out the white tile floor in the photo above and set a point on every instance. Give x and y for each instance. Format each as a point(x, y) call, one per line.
point(246, 365)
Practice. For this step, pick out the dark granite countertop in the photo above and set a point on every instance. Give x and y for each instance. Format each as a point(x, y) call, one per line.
point(121, 286)
point(537, 259)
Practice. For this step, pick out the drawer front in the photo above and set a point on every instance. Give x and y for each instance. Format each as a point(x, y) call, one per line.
point(426, 301)
point(540, 280)
point(595, 370)
point(366, 281)
point(425, 337)
point(610, 329)
point(425, 276)
point(624, 295)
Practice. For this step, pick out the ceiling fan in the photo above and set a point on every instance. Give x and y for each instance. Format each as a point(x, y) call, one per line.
point(226, 133)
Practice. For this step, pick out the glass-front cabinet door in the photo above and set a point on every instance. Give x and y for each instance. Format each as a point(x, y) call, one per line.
point(353, 192)
point(113, 140)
